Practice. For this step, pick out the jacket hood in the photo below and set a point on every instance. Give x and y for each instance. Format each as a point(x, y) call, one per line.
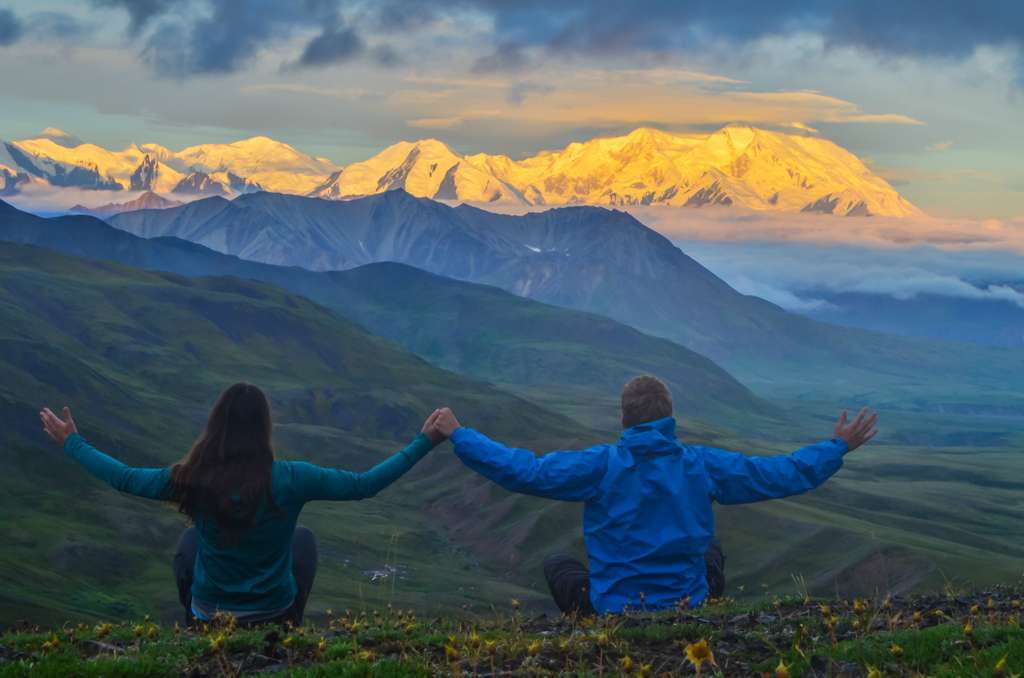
point(653, 438)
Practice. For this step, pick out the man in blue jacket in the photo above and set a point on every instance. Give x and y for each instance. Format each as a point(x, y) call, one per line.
point(648, 520)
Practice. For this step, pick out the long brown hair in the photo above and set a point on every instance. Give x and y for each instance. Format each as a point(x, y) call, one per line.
point(227, 474)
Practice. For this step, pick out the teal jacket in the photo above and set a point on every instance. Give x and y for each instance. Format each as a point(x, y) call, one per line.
point(256, 573)
point(647, 517)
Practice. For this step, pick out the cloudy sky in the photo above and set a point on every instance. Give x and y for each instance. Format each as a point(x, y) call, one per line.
point(929, 92)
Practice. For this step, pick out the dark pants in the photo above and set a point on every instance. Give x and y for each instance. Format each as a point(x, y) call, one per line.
point(304, 561)
point(569, 581)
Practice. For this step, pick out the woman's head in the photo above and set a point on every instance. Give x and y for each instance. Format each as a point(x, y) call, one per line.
point(227, 474)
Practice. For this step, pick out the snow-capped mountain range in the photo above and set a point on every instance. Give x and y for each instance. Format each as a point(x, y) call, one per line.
point(736, 166)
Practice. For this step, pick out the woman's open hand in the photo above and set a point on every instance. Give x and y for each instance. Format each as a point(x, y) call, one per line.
point(430, 428)
point(56, 427)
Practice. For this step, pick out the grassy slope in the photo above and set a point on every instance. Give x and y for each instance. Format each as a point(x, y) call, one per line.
point(140, 356)
point(943, 635)
point(927, 503)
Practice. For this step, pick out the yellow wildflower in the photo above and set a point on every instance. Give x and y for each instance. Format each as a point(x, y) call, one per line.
point(781, 671)
point(627, 664)
point(975, 609)
point(321, 647)
point(451, 653)
point(1000, 668)
point(217, 642)
point(491, 646)
point(645, 671)
point(533, 649)
point(896, 650)
point(700, 652)
point(873, 672)
point(968, 629)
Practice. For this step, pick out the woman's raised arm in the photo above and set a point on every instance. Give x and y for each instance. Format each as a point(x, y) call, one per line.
point(150, 483)
point(314, 482)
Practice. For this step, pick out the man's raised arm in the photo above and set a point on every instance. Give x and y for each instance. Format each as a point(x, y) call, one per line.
point(738, 479)
point(568, 476)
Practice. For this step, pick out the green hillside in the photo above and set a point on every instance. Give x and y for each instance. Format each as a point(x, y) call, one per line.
point(141, 356)
point(561, 354)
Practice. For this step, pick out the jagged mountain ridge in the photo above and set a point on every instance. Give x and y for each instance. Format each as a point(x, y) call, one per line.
point(146, 201)
point(587, 258)
point(211, 169)
point(476, 330)
point(736, 166)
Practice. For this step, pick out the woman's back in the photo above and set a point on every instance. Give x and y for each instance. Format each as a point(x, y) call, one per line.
point(253, 571)
point(244, 554)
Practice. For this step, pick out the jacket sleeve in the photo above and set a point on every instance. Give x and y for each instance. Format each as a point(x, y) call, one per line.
point(150, 483)
point(739, 479)
point(568, 476)
point(312, 482)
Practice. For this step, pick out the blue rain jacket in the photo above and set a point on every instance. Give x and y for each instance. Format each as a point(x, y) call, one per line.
point(648, 516)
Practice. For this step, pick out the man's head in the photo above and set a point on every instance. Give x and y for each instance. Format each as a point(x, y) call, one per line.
point(645, 399)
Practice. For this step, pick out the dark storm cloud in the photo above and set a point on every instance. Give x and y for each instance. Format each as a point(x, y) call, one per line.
point(10, 27)
point(903, 28)
point(948, 28)
point(140, 12)
point(334, 45)
point(219, 36)
point(229, 37)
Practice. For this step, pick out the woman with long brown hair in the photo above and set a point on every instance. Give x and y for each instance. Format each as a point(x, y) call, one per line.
point(243, 554)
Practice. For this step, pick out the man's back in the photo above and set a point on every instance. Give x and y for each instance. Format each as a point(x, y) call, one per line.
point(648, 518)
point(650, 523)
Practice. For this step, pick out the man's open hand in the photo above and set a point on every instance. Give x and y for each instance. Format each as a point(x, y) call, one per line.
point(57, 428)
point(859, 431)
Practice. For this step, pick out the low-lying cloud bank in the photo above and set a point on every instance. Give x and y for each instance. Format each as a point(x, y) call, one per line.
point(803, 277)
point(44, 199)
point(879, 232)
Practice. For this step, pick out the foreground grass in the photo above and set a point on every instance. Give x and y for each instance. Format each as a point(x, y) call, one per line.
point(943, 635)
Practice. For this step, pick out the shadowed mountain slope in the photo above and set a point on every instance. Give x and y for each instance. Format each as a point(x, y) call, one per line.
point(474, 329)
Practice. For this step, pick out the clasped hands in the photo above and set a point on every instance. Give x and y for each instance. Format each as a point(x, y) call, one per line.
point(440, 425)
